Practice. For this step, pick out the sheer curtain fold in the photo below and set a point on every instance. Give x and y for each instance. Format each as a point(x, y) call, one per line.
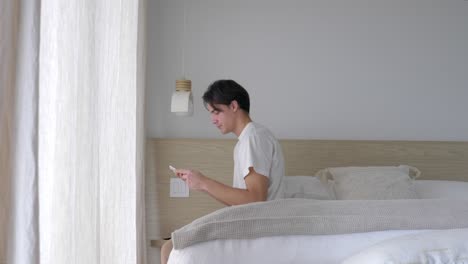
point(72, 133)
point(90, 127)
point(19, 44)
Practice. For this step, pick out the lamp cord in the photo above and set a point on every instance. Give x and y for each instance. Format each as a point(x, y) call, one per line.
point(183, 44)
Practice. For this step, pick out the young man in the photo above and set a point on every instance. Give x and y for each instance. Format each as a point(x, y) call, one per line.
point(258, 158)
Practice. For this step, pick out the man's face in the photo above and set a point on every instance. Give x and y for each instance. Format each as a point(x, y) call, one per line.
point(222, 117)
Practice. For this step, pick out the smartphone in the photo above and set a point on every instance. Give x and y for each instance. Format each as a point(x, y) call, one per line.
point(172, 169)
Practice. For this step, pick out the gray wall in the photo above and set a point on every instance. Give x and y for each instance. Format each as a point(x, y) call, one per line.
point(358, 69)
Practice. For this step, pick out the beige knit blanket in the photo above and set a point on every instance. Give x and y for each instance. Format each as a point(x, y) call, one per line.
point(318, 217)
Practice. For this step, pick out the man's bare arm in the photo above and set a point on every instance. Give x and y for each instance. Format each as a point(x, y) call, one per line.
point(257, 187)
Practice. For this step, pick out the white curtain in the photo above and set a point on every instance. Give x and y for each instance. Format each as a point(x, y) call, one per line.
point(19, 36)
point(72, 132)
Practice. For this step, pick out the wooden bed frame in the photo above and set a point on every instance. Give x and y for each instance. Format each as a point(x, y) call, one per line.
point(214, 158)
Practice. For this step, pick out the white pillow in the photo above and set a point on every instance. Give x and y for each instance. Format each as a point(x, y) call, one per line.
point(308, 187)
point(440, 189)
point(371, 183)
point(440, 246)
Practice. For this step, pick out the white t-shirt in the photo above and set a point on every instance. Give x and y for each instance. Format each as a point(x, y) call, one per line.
point(258, 148)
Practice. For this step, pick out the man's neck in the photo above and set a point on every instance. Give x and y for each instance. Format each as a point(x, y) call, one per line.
point(241, 124)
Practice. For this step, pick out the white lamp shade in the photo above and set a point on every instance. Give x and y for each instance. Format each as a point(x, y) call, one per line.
point(182, 103)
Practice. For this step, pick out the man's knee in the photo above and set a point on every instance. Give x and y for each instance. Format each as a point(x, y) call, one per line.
point(166, 251)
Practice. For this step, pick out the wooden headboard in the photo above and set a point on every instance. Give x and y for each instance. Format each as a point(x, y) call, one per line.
point(213, 157)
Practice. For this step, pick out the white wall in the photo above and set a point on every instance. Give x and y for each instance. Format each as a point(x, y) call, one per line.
point(392, 69)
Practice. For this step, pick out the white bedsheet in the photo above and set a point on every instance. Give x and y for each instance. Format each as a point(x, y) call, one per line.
point(325, 249)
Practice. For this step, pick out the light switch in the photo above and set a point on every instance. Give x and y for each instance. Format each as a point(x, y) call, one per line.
point(178, 188)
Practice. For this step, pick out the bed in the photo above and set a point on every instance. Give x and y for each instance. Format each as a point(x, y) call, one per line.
point(317, 226)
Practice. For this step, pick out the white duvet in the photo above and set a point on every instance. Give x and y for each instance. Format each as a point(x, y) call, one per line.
point(388, 247)
point(326, 249)
point(433, 247)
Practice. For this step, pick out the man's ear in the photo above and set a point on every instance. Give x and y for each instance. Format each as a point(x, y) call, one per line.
point(234, 106)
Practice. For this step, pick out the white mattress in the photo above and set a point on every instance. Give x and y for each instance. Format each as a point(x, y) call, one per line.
point(307, 249)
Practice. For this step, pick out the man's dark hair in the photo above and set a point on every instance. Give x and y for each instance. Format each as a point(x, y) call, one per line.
point(224, 92)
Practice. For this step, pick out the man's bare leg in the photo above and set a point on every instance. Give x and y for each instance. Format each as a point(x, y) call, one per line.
point(166, 251)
